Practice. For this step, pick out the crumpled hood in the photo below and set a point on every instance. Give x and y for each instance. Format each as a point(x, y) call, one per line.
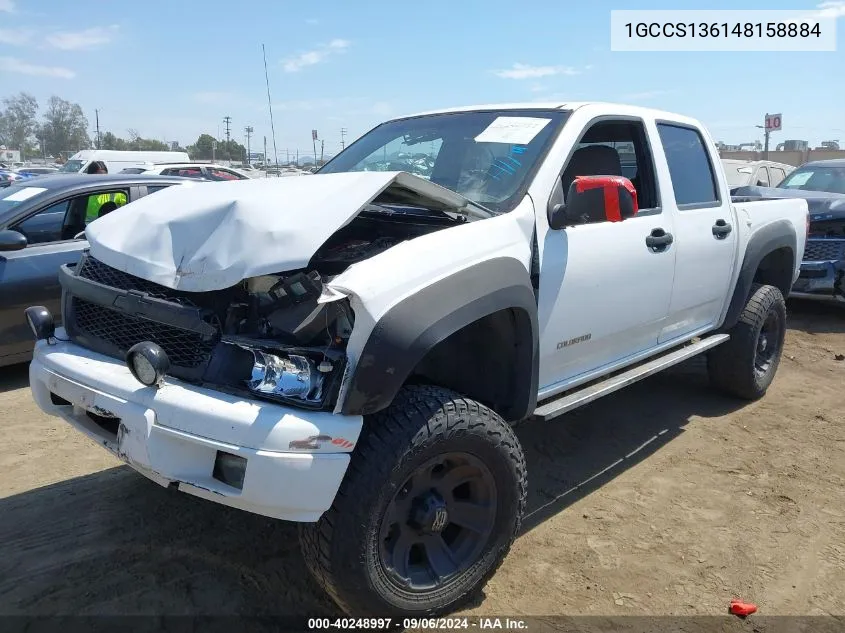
point(211, 236)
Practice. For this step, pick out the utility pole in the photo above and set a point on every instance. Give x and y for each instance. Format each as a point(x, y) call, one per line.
point(342, 138)
point(314, 144)
point(322, 149)
point(227, 120)
point(249, 130)
point(97, 116)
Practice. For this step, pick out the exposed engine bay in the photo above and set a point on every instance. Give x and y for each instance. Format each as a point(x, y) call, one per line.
point(279, 338)
point(285, 306)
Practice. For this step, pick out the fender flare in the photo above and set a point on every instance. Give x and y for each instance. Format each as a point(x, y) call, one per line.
point(404, 334)
point(778, 234)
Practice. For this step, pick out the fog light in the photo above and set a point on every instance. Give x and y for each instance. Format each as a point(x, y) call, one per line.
point(148, 363)
point(230, 469)
point(289, 376)
point(40, 322)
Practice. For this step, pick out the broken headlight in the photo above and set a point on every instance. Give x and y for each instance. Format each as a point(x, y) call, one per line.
point(294, 376)
point(289, 376)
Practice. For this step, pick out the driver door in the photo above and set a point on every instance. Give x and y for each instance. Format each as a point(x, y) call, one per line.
point(604, 293)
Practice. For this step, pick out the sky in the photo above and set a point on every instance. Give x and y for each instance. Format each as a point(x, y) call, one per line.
point(173, 70)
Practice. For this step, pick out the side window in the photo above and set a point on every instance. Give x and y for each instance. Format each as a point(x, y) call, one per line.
point(185, 172)
point(46, 225)
point(96, 205)
point(154, 188)
point(762, 179)
point(689, 166)
point(777, 175)
point(190, 172)
point(223, 174)
point(616, 148)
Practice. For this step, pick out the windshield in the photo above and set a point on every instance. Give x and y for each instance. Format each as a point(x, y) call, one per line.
point(737, 175)
point(13, 195)
point(72, 166)
point(488, 157)
point(816, 178)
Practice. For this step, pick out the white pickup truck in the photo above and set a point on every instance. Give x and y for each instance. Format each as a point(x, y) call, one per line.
point(350, 350)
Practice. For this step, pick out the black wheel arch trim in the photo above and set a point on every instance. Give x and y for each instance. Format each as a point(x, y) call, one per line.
point(778, 234)
point(404, 335)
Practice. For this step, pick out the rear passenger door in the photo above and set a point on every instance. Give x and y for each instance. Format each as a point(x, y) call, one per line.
point(705, 244)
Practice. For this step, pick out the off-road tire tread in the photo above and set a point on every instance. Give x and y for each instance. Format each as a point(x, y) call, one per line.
point(728, 365)
point(386, 436)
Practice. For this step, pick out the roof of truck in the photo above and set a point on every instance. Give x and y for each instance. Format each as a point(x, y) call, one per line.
point(553, 105)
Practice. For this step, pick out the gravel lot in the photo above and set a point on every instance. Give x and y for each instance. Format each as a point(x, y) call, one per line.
point(662, 499)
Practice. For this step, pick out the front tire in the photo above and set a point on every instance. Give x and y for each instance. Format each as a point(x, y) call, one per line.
point(430, 505)
point(746, 365)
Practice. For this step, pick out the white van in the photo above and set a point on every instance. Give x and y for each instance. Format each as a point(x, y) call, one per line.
point(87, 161)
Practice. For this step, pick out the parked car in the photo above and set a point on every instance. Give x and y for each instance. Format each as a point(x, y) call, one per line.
point(822, 184)
point(39, 219)
point(757, 173)
point(350, 350)
point(37, 171)
point(8, 176)
point(205, 171)
point(113, 161)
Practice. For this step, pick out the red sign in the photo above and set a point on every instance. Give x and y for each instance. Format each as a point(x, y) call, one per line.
point(773, 122)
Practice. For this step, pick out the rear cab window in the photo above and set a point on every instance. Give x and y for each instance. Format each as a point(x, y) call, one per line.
point(690, 168)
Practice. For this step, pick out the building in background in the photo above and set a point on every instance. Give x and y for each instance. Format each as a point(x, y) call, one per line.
point(9, 155)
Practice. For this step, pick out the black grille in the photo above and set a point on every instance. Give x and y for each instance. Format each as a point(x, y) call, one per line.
point(824, 250)
point(183, 347)
point(95, 270)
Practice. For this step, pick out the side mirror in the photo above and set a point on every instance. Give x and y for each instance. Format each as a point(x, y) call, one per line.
point(595, 199)
point(12, 240)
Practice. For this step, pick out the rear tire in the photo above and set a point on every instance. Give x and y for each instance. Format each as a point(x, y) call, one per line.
point(423, 470)
point(746, 365)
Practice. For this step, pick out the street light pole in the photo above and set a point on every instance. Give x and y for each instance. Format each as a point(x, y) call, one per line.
point(249, 130)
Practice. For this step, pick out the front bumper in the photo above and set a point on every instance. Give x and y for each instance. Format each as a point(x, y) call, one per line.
point(173, 434)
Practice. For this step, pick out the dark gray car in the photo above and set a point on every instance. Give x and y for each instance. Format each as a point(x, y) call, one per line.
point(39, 220)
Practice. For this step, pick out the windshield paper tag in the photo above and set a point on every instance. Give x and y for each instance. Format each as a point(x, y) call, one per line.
point(512, 129)
point(24, 194)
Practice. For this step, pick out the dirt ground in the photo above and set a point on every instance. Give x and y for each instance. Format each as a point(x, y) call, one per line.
point(661, 499)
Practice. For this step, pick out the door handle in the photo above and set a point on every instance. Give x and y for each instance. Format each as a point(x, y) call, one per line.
point(659, 240)
point(721, 229)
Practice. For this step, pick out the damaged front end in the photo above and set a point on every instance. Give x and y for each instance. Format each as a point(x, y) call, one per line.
point(276, 337)
point(279, 337)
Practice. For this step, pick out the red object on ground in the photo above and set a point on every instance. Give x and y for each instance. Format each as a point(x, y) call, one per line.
point(742, 608)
